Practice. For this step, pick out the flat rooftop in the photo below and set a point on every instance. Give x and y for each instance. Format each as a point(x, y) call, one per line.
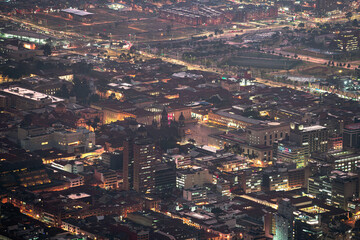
point(267, 125)
point(78, 196)
point(77, 12)
point(224, 113)
point(354, 126)
point(313, 128)
point(30, 94)
point(23, 33)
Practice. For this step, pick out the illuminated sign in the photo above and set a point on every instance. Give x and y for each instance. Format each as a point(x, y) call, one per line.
point(284, 149)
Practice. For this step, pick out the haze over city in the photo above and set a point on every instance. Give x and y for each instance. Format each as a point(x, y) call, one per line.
point(179, 119)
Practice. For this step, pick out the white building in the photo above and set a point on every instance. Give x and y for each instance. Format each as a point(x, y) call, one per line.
point(40, 138)
point(190, 178)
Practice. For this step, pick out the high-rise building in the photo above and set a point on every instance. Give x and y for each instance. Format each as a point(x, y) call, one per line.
point(144, 165)
point(128, 163)
point(320, 187)
point(351, 136)
point(284, 220)
point(290, 152)
point(345, 186)
point(336, 188)
point(315, 137)
point(165, 178)
point(139, 160)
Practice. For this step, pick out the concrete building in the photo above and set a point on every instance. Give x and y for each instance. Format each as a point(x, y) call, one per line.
point(227, 118)
point(315, 137)
point(346, 161)
point(275, 180)
point(345, 186)
point(320, 187)
point(290, 152)
point(144, 165)
point(26, 36)
point(284, 220)
point(190, 178)
point(69, 166)
point(351, 136)
point(109, 179)
point(24, 99)
point(196, 194)
point(337, 188)
point(267, 133)
point(70, 140)
point(165, 178)
point(348, 41)
point(77, 15)
point(250, 181)
point(194, 14)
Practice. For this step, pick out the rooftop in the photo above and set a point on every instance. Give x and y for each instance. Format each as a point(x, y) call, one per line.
point(237, 117)
point(354, 126)
point(26, 34)
point(77, 12)
point(30, 94)
point(313, 128)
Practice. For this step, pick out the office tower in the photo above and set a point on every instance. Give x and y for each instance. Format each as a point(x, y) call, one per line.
point(320, 187)
point(139, 159)
point(351, 137)
point(315, 137)
point(250, 180)
point(284, 220)
point(336, 188)
point(345, 186)
point(190, 178)
point(144, 165)
point(290, 152)
point(307, 227)
point(165, 178)
point(128, 163)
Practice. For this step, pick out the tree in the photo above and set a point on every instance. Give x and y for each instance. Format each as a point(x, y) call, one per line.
point(94, 98)
point(15, 72)
point(355, 23)
point(63, 92)
point(132, 49)
point(301, 25)
point(168, 29)
point(47, 50)
point(11, 72)
point(88, 123)
point(81, 89)
point(82, 67)
point(95, 123)
point(348, 15)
